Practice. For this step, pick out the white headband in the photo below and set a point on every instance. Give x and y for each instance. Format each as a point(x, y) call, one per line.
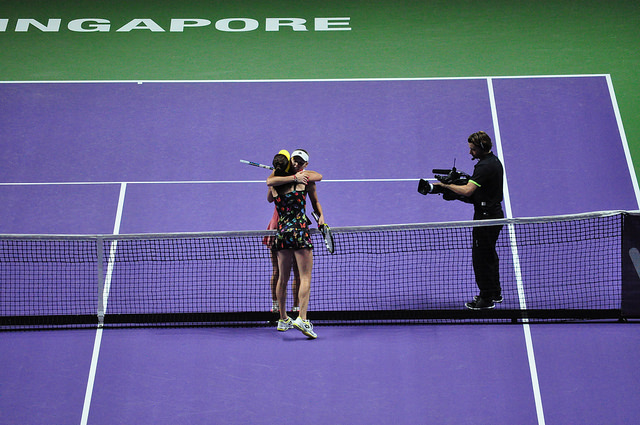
point(301, 154)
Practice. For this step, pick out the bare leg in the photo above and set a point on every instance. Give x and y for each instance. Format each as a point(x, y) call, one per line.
point(296, 284)
point(284, 264)
point(274, 276)
point(304, 258)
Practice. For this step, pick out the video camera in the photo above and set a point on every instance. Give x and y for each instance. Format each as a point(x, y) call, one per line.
point(451, 176)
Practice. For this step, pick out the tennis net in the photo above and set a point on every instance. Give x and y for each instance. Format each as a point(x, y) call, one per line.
point(562, 267)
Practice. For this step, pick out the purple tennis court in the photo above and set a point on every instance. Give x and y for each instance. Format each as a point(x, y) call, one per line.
point(123, 157)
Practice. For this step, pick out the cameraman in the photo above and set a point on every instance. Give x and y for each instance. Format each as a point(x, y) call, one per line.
point(484, 191)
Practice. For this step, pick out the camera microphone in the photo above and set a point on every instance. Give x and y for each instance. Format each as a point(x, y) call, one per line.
point(441, 171)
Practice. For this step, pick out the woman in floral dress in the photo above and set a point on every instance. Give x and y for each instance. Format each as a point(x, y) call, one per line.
point(293, 236)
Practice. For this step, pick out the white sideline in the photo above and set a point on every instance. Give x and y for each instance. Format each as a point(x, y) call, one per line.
point(516, 262)
point(105, 294)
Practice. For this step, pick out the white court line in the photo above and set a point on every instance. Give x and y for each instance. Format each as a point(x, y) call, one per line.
point(301, 80)
point(516, 263)
point(623, 137)
point(415, 179)
point(105, 294)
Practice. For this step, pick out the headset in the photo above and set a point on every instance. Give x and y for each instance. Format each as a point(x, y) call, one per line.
point(486, 147)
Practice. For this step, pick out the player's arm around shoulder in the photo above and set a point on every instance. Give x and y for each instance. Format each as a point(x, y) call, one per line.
point(274, 180)
point(313, 176)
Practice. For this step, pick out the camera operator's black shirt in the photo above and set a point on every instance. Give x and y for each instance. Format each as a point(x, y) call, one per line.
point(487, 175)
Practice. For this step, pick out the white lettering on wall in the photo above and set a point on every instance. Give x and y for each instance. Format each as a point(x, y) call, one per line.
point(178, 25)
point(332, 24)
point(246, 24)
point(83, 25)
point(274, 24)
point(52, 25)
point(89, 25)
point(141, 24)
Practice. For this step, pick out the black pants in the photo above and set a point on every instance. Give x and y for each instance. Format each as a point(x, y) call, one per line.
point(485, 260)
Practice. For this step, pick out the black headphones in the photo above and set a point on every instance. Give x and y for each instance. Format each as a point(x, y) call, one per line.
point(478, 140)
point(483, 145)
point(484, 148)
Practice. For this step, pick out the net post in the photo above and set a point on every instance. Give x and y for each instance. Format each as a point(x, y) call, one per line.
point(630, 266)
point(100, 266)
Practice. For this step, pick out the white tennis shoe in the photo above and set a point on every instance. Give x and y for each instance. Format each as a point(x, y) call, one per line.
point(285, 325)
point(305, 327)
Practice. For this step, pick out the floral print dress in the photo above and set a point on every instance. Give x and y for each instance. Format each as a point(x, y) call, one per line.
point(293, 224)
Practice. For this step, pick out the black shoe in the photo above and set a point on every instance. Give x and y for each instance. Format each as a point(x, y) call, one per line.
point(480, 304)
point(496, 298)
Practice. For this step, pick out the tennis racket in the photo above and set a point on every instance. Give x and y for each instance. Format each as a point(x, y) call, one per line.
point(256, 164)
point(326, 234)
